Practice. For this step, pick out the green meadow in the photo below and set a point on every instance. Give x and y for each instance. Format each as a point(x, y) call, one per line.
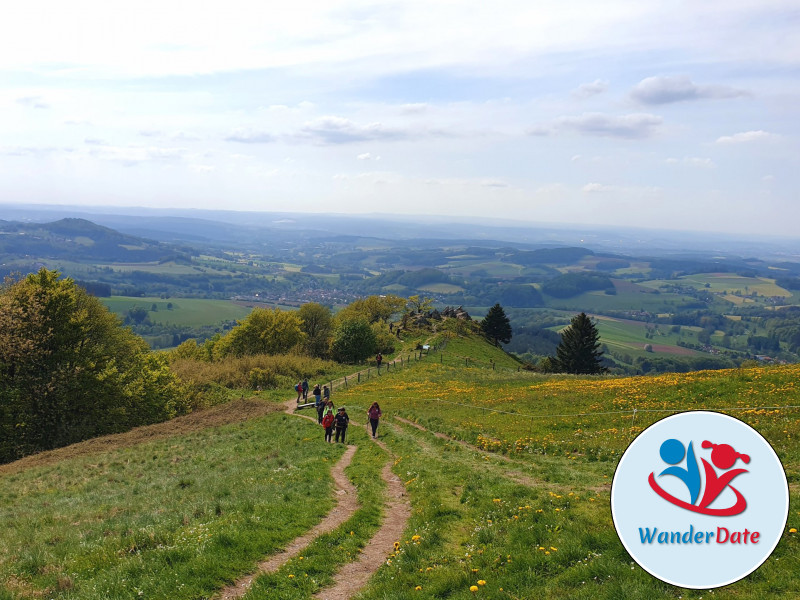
point(191, 312)
point(509, 501)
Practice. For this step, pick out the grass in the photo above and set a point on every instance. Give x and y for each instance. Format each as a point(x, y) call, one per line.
point(180, 509)
point(173, 518)
point(317, 565)
point(191, 312)
point(537, 522)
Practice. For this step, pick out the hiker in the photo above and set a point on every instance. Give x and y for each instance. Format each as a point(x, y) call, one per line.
point(374, 413)
point(305, 388)
point(326, 394)
point(318, 404)
point(341, 420)
point(299, 389)
point(327, 423)
point(379, 360)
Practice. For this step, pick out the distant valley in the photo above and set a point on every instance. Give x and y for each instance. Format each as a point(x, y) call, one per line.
point(660, 303)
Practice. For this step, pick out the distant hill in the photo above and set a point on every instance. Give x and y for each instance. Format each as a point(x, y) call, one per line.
point(80, 240)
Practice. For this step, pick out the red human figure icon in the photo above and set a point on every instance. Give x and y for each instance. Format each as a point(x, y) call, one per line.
point(724, 457)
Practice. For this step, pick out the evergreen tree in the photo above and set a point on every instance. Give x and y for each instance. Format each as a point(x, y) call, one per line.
point(579, 351)
point(496, 326)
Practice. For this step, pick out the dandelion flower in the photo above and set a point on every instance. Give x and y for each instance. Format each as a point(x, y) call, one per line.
point(291, 576)
point(793, 530)
point(481, 582)
point(473, 588)
point(418, 588)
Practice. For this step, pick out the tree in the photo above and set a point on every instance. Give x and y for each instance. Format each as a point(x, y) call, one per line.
point(417, 304)
point(373, 308)
point(353, 340)
point(496, 326)
point(69, 371)
point(579, 350)
point(317, 324)
point(263, 331)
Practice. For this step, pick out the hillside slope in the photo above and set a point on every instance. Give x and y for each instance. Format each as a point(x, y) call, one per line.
point(508, 474)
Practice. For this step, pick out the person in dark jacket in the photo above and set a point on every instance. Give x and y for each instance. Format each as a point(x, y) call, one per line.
point(341, 421)
point(305, 388)
point(318, 403)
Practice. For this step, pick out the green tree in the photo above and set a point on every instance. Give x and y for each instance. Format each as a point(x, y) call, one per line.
point(496, 326)
point(353, 340)
point(579, 350)
point(373, 308)
point(418, 304)
point(263, 331)
point(69, 371)
point(317, 324)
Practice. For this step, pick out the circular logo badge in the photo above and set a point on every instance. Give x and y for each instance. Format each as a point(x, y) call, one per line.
point(699, 499)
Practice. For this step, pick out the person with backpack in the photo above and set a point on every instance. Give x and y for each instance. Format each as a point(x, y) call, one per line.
point(341, 421)
point(305, 388)
point(299, 389)
point(374, 413)
point(327, 423)
point(318, 404)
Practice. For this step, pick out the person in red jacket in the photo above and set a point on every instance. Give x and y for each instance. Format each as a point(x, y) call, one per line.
point(327, 423)
point(374, 413)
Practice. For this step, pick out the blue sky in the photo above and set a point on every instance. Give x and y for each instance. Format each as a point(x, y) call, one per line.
point(678, 115)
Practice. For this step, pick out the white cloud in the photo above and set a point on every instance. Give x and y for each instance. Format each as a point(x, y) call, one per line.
point(587, 90)
point(747, 137)
point(631, 126)
point(414, 108)
point(33, 102)
point(250, 136)
point(339, 130)
point(368, 156)
point(593, 188)
point(665, 90)
point(693, 161)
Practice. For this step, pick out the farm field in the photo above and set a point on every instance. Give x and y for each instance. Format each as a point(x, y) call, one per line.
point(192, 312)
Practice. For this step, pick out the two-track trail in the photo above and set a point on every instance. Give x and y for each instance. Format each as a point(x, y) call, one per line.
point(346, 506)
point(354, 575)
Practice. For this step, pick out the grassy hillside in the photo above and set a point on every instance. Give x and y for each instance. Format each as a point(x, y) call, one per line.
point(512, 492)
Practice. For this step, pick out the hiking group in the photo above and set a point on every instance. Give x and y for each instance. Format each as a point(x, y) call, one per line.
point(325, 411)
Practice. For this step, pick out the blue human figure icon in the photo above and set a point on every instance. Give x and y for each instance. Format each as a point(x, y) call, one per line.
point(672, 452)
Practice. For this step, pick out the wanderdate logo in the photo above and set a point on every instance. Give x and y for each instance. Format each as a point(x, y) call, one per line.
point(699, 499)
point(723, 457)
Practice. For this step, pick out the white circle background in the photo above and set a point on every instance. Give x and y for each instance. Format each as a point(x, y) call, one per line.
point(635, 505)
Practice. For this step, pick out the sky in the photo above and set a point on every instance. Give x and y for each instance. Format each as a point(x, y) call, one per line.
point(679, 115)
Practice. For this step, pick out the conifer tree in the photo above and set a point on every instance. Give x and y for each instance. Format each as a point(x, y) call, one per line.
point(579, 351)
point(496, 326)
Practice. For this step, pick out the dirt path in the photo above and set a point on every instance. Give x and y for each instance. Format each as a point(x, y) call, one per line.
point(443, 436)
point(514, 476)
point(355, 575)
point(346, 506)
